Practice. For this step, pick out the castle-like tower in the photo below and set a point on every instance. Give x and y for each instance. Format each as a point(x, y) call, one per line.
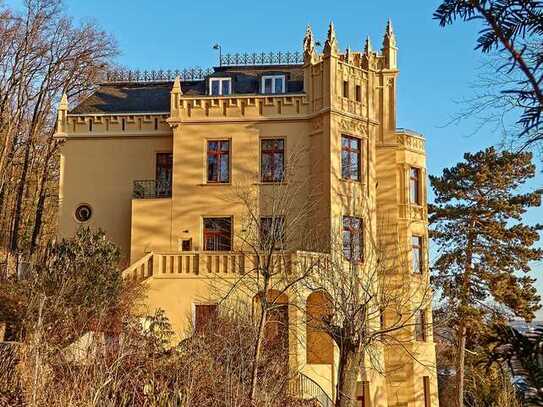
point(150, 161)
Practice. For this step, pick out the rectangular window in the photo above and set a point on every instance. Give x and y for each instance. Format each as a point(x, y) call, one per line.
point(426, 386)
point(420, 326)
point(218, 234)
point(272, 152)
point(358, 93)
point(204, 316)
point(345, 89)
point(350, 158)
point(273, 84)
point(417, 252)
point(272, 232)
point(220, 86)
point(414, 186)
point(186, 245)
point(163, 175)
point(353, 238)
point(218, 161)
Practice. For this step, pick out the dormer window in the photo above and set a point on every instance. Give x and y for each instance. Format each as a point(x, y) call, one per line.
point(220, 86)
point(273, 84)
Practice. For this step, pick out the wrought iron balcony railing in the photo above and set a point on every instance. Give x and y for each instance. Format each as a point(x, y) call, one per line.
point(149, 188)
point(198, 74)
point(124, 75)
point(262, 58)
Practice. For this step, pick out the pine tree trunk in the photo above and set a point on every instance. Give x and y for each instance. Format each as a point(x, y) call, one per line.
point(349, 364)
point(462, 329)
point(460, 363)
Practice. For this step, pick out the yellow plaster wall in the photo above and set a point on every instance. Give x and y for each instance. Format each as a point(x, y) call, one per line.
point(100, 171)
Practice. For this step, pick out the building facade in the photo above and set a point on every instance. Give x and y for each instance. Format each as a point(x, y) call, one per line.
point(153, 162)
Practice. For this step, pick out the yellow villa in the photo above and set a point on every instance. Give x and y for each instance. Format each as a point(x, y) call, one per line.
point(150, 157)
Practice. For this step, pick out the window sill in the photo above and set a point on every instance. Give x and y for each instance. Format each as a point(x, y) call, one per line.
point(353, 181)
point(215, 184)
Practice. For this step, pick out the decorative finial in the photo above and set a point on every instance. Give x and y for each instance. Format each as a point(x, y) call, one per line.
point(389, 30)
point(348, 55)
point(390, 51)
point(331, 32)
point(177, 85)
point(62, 115)
point(367, 46)
point(309, 42)
point(63, 102)
point(390, 37)
point(330, 47)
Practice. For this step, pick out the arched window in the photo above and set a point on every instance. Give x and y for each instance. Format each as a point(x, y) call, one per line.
point(319, 345)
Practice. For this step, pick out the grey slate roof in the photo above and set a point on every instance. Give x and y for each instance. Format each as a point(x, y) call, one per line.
point(154, 97)
point(127, 98)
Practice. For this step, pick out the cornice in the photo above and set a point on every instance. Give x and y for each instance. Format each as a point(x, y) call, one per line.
point(116, 135)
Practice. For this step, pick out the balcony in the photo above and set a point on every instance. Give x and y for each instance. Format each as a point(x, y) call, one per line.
point(151, 189)
point(411, 140)
point(414, 212)
point(188, 264)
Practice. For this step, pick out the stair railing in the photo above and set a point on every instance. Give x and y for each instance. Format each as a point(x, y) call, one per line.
point(304, 387)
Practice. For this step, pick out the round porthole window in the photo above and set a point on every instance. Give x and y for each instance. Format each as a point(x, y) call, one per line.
point(83, 213)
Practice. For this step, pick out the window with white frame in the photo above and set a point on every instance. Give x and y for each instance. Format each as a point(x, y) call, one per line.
point(220, 86)
point(273, 84)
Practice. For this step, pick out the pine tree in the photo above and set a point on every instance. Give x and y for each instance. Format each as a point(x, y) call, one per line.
point(485, 249)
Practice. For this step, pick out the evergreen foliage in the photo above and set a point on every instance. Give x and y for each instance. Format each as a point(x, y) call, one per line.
point(514, 29)
point(484, 249)
point(77, 288)
point(523, 354)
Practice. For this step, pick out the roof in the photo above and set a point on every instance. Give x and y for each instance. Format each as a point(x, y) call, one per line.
point(154, 97)
point(127, 98)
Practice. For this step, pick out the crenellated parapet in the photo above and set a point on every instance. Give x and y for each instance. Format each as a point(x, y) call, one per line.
point(238, 107)
point(118, 125)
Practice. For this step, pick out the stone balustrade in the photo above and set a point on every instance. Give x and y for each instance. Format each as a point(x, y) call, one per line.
point(190, 264)
point(411, 140)
point(414, 212)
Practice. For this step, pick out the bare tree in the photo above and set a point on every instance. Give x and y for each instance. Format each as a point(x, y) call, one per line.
point(275, 225)
point(43, 55)
point(371, 297)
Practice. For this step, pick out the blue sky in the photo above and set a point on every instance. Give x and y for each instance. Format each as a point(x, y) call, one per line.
point(438, 67)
